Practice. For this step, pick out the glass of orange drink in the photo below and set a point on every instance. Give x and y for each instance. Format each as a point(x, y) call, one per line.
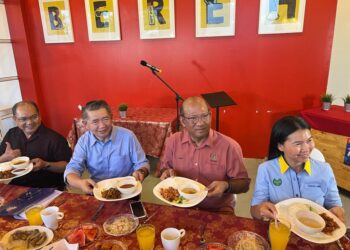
point(33, 215)
point(279, 232)
point(146, 236)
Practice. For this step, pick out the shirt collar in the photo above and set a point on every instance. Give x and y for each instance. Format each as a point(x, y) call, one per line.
point(284, 166)
point(94, 140)
point(208, 142)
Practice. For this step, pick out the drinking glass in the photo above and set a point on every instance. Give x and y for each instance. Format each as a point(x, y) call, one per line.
point(33, 215)
point(146, 236)
point(279, 234)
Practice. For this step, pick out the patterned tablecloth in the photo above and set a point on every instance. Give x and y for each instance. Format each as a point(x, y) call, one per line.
point(150, 125)
point(80, 208)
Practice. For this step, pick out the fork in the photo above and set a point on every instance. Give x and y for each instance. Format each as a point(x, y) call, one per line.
point(98, 210)
point(201, 234)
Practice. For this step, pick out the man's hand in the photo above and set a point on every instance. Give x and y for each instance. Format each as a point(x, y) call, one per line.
point(339, 212)
point(39, 164)
point(87, 185)
point(217, 188)
point(169, 172)
point(140, 174)
point(10, 153)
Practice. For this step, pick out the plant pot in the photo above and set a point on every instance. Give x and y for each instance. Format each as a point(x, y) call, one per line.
point(326, 105)
point(347, 107)
point(122, 114)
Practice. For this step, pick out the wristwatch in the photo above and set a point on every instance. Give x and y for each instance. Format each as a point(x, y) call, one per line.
point(143, 172)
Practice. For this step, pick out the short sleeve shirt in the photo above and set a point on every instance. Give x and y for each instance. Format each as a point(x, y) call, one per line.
point(45, 144)
point(219, 158)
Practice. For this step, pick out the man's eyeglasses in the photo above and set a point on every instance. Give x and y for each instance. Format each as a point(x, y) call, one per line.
point(30, 118)
point(194, 119)
point(104, 120)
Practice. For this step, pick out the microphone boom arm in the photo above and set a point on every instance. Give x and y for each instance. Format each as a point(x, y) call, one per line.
point(177, 98)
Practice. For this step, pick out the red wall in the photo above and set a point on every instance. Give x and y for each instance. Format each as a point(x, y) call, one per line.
point(267, 75)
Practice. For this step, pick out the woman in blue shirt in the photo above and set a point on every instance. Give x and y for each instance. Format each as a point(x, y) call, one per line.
point(290, 173)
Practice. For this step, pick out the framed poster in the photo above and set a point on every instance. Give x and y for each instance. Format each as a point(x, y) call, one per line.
point(215, 18)
point(156, 19)
point(56, 21)
point(281, 16)
point(102, 17)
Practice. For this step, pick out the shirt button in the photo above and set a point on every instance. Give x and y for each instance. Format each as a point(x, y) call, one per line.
point(196, 164)
point(297, 195)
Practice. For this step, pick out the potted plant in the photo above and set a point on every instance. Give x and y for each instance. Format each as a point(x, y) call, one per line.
point(123, 107)
point(346, 100)
point(327, 100)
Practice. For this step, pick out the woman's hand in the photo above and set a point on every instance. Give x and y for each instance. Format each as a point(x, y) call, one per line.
point(264, 210)
point(339, 212)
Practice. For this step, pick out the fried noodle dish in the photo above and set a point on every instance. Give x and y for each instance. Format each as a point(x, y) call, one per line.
point(249, 244)
point(111, 193)
point(170, 194)
point(331, 225)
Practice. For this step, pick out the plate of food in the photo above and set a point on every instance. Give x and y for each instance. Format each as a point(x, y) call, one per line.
point(121, 224)
point(242, 240)
point(28, 237)
point(113, 189)
point(7, 172)
point(84, 234)
point(109, 245)
point(334, 229)
point(172, 191)
point(214, 246)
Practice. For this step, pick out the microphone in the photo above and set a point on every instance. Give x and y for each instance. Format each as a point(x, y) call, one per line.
point(153, 68)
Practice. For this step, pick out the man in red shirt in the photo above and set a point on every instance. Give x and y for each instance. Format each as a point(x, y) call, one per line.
point(207, 156)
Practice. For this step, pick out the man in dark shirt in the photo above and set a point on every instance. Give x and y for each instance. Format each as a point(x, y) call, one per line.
point(49, 151)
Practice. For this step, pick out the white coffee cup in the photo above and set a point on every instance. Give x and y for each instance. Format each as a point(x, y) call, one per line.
point(171, 238)
point(50, 217)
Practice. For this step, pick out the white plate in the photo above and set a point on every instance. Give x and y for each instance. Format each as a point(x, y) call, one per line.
point(176, 182)
point(48, 232)
point(24, 172)
point(288, 208)
point(112, 183)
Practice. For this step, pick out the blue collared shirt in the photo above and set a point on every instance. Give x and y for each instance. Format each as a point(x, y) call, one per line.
point(119, 156)
point(276, 182)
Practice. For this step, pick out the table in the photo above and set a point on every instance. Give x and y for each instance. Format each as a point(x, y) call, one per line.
point(330, 131)
point(150, 125)
point(80, 208)
point(335, 120)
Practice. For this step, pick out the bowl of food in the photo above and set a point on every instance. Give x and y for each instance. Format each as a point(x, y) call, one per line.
point(214, 246)
point(127, 186)
point(189, 190)
point(247, 240)
point(20, 162)
point(309, 222)
point(121, 224)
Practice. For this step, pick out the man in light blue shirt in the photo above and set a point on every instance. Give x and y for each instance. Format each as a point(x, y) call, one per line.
point(106, 151)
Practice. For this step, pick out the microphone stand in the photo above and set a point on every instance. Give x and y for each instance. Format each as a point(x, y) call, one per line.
point(177, 98)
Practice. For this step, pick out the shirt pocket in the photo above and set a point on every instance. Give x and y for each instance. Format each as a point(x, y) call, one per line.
point(313, 191)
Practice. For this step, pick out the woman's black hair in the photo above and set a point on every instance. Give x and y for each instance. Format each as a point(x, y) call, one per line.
point(281, 130)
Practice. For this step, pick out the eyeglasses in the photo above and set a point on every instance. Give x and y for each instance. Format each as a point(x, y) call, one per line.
point(30, 118)
point(104, 120)
point(195, 119)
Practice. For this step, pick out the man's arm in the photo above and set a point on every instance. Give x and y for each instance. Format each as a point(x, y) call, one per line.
point(233, 186)
point(9, 153)
point(56, 167)
point(86, 185)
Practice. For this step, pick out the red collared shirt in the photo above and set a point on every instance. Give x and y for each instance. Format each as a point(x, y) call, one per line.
point(219, 158)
